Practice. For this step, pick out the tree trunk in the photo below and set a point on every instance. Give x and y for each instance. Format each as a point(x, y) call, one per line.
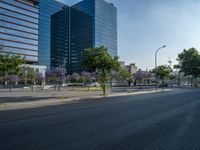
point(59, 85)
point(104, 90)
point(32, 87)
point(192, 78)
point(163, 80)
point(41, 87)
point(104, 82)
point(10, 88)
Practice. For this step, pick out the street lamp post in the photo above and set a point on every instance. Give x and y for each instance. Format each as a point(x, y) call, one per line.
point(156, 63)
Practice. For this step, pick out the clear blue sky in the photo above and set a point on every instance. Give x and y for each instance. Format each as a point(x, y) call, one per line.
point(145, 25)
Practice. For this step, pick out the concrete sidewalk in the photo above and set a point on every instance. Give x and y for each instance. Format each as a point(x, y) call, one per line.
point(25, 100)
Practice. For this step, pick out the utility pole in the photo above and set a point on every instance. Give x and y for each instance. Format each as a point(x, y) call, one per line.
point(170, 62)
point(156, 63)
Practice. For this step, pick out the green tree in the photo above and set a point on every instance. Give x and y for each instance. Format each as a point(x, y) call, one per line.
point(31, 77)
point(10, 64)
point(86, 76)
point(172, 77)
point(124, 75)
point(98, 59)
point(162, 72)
point(189, 63)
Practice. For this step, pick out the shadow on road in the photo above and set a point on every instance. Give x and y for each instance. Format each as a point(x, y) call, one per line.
point(23, 99)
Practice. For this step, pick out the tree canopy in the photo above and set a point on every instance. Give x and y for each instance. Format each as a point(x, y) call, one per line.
point(124, 74)
point(98, 59)
point(9, 64)
point(162, 71)
point(189, 62)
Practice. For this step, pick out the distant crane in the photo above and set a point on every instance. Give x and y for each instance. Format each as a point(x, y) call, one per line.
point(170, 62)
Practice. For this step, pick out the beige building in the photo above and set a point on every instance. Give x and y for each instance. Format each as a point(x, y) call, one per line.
point(132, 68)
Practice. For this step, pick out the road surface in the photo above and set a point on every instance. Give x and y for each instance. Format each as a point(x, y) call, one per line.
point(158, 121)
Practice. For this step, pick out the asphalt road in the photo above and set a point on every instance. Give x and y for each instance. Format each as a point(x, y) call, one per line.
point(161, 121)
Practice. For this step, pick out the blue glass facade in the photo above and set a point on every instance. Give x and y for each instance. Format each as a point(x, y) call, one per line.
point(81, 37)
point(60, 42)
point(47, 9)
point(19, 28)
point(66, 31)
point(53, 34)
point(104, 16)
point(106, 26)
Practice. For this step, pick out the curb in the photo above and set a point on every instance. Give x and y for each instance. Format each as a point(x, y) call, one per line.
point(53, 102)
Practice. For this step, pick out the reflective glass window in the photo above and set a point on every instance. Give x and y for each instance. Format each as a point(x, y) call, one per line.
point(22, 5)
point(20, 51)
point(20, 16)
point(19, 45)
point(17, 21)
point(18, 33)
point(18, 27)
point(17, 9)
point(18, 39)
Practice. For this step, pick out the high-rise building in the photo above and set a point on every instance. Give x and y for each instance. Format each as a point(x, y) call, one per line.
point(54, 34)
point(47, 30)
point(60, 42)
point(66, 31)
point(19, 28)
point(81, 37)
point(104, 23)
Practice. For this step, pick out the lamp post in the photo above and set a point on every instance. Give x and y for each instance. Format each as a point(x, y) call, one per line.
point(156, 63)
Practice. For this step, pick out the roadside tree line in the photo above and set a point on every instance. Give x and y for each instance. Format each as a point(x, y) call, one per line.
point(100, 67)
point(188, 67)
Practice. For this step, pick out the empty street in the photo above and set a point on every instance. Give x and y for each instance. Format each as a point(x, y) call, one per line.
point(156, 121)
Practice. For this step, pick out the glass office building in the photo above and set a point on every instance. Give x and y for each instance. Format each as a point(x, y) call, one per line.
point(104, 17)
point(19, 28)
point(106, 26)
point(60, 42)
point(81, 37)
point(66, 31)
point(47, 9)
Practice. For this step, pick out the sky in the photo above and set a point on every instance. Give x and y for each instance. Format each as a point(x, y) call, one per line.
point(146, 25)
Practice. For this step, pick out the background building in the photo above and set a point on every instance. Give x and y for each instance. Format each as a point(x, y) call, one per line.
point(19, 28)
point(132, 68)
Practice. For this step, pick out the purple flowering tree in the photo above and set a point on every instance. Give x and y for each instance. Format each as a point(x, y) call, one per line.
point(57, 76)
point(12, 79)
point(75, 77)
point(68, 78)
point(39, 79)
point(94, 76)
point(141, 76)
point(86, 76)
